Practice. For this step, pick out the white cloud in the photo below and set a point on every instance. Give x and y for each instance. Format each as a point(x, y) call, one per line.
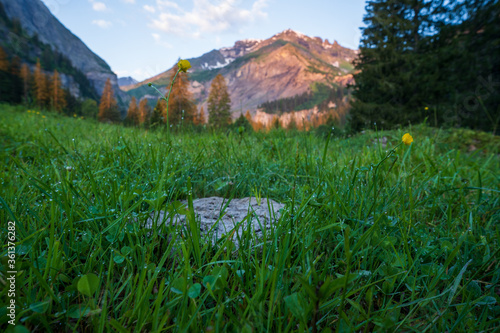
point(129, 1)
point(99, 6)
point(206, 17)
point(166, 4)
point(102, 23)
point(149, 8)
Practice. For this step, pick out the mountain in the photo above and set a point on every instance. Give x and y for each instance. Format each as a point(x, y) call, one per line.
point(287, 65)
point(32, 17)
point(126, 81)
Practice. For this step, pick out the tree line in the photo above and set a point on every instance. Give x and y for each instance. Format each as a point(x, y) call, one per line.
point(320, 95)
point(20, 84)
point(182, 110)
point(428, 60)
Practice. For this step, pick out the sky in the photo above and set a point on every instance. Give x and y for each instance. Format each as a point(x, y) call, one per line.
point(142, 38)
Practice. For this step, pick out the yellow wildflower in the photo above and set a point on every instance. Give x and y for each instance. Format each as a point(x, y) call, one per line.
point(43, 116)
point(407, 139)
point(183, 65)
point(38, 113)
point(426, 108)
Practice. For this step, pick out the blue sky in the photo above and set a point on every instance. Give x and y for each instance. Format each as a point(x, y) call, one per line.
point(142, 38)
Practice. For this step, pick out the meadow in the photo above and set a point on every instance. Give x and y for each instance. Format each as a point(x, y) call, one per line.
point(386, 239)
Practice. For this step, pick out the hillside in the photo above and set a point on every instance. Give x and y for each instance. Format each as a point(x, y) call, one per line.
point(258, 71)
point(34, 25)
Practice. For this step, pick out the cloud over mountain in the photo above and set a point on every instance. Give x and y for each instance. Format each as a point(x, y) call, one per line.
point(206, 17)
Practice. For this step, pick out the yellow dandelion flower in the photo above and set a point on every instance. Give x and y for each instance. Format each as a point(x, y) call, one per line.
point(74, 115)
point(183, 65)
point(407, 139)
point(43, 116)
point(38, 113)
point(426, 108)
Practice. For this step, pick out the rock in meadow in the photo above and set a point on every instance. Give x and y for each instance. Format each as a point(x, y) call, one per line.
point(209, 210)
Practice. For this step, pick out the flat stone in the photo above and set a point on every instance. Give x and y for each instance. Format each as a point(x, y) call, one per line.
point(208, 211)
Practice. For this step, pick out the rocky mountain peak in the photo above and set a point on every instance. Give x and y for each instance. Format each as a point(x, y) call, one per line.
point(257, 71)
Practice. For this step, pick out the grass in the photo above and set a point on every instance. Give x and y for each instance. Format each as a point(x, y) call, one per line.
point(369, 240)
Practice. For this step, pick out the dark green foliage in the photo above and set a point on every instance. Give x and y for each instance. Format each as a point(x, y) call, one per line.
point(10, 88)
point(90, 108)
point(331, 127)
point(157, 114)
point(243, 122)
point(468, 54)
point(424, 59)
point(73, 105)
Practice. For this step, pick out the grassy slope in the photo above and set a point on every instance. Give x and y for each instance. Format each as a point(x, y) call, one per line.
point(418, 233)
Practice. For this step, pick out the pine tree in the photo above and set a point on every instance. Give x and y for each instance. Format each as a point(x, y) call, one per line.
point(41, 87)
point(90, 108)
point(132, 112)
point(219, 103)
point(469, 66)
point(389, 86)
point(158, 112)
point(57, 95)
point(108, 108)
point(180, 104)
point(144, 111)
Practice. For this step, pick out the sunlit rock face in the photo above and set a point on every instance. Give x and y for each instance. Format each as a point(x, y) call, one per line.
point(218, 217)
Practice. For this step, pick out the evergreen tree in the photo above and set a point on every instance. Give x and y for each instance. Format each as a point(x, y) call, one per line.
point(429, 59)
point(41, 86)
point(159, 110)
point(219, 103)
point(144, 111)
point(57, 95)
point(180, 104)
point(89, 108)
point(243, 122)
point(108, 108)
point(73, 105)
point(389, 85)
point(469, 66)
point(275, 122)
point(132, 112)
